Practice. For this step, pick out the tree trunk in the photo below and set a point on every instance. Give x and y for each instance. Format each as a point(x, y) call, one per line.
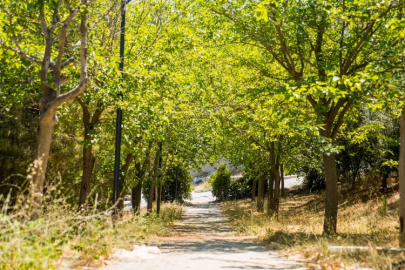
point(163, 194)
point(354, 180)
point(38, 170)
point(136, 198)
point(88, 166)
point(401, 172)
point(136, 194)
point(88, 157)
point(260, 194)
point(270, 202)
point(124, 170)
point(276, 200)
point(152, 183)
point(254, 186)
point(274, 185)
point(282, 180)
point(331, 200)
point(384, 181)
point(159, 182)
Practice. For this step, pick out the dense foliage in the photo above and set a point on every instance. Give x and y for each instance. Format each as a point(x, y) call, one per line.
point(273, 87)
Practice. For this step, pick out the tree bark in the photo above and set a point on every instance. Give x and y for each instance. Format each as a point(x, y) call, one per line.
point(124, 170)
point(88, 166)
point(39, 167)
point(331, 200)
point(88, 157)
point(136, 198)
point(254, 186)
point(136, 195)
point(152, 182)
point(401, 172)
point(276, 200)
point(163, 193)
point(270, 195)
point(260, 194)
point(282, 180)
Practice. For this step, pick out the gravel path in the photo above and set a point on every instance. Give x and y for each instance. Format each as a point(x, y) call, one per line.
point(204, 240)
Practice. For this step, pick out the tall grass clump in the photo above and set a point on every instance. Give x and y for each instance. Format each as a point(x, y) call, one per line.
point(171, 212)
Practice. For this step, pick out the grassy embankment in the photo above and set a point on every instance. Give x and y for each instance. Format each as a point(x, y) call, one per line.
point(62, 238)
point(366, 218)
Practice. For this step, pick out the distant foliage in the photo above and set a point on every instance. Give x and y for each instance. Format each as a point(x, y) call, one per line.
point(221, 182)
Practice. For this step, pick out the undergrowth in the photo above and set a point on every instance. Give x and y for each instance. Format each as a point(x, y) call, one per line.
point(365, 218)
point(63, 238)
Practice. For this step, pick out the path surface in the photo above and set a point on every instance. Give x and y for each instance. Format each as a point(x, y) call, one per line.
point(204, 240)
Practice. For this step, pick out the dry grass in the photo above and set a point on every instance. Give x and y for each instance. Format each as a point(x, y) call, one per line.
point(204, 186)
point(364, 219)
point(62, 238)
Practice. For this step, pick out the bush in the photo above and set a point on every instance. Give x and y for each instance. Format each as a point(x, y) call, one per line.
point(221, 182)
point(314, 179)
point(184, 180)
point(240, 188)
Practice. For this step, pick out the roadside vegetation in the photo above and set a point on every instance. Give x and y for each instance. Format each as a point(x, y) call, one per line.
point(273, 87)
point(367, 218)
point(64, 238)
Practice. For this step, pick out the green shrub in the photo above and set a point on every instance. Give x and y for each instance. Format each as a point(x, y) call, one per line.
point(240, 188)
point(184, 180)
point(221, 182)
point(314, 179)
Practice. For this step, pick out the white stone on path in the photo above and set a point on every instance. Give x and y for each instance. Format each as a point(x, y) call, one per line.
point(139, 252)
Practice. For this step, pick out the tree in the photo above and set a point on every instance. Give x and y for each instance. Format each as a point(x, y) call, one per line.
point(61, 16)
point(299, 38)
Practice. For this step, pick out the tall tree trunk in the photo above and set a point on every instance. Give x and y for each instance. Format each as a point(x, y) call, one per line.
point(276, 200)
point(88, 166)
point(152, 182)
point(354, 174)
point(329, 164)
point(401, 172)
point(136, 198)
point(40, 164)
point(136, 194)
point(254, 186)
point(159, 183)
point(384, 181)
point(282, 180)
point(260, 194)
point(88, 157)
point(331, 200)
point(274, 185)
point(270, 195)
point(163, 194)
point(124, 171)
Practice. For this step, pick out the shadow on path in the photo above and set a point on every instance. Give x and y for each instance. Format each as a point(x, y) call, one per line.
point(204, 240)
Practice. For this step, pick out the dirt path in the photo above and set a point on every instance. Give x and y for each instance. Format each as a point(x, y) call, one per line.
point(204, 240)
